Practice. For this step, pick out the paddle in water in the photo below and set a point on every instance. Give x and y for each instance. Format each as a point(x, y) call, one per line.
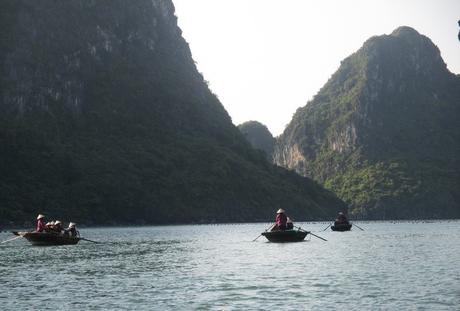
point(358, 226)
point(327, 227)
point(265, 231)
point(16, 237)
point(312, 234)
point(90, 241)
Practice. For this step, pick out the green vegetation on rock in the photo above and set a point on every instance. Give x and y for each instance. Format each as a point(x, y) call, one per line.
point(383, 133)
point(259, 137)
point(105, 120)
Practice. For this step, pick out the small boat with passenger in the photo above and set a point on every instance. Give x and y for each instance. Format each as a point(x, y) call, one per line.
point(48, 238)
point(283, 230)
point(285, 235)
point(341, 227)
point(341, 223)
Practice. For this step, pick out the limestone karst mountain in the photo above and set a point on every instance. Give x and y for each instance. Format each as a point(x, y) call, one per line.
point(104, 119)
point(384, 131)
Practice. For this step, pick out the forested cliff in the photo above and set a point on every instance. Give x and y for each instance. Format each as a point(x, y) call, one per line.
point(383, 133)
point(104, 119)
point(259, 137)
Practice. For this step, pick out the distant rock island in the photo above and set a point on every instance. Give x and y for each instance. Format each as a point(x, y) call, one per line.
point(384, 132)
point(259, 137)
point(104, 119)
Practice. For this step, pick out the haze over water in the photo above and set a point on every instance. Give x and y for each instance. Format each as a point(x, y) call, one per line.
point(389, 266)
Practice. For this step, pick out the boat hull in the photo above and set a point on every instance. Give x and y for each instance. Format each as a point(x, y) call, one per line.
point(341, 227)
point(47, 239)
point(283, 236)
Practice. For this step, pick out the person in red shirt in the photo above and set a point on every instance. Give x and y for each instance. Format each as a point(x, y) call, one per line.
point(40, 223)
point(281, 220)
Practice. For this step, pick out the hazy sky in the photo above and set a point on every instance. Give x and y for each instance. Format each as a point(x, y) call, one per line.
point(266, 58)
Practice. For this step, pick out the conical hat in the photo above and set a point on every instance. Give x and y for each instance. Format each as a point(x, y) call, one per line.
point(57, 222)
point(40, 216)
point(72, 225)
point(280, 211)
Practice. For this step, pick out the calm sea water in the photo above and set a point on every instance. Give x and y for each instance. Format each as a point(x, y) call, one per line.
point(389, 266)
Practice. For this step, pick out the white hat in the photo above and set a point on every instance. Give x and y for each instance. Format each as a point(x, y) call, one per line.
point(57, 222)
point(52, 223)
point(289, 220)
point(280, 211)
point(40, 216)
point(340, 213)
point(48, 223)
point(72, 225)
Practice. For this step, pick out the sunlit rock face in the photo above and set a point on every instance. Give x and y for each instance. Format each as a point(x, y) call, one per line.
point(59, 48)
point(383, 133)
point(104, 119)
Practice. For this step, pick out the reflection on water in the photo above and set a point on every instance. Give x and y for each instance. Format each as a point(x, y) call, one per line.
point(389, 266)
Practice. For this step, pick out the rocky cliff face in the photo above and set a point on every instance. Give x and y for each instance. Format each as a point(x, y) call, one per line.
point(383, 131)
point(259, 137)
point(105, 119)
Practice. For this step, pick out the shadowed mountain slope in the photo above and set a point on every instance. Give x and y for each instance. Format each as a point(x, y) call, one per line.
point(105, 120)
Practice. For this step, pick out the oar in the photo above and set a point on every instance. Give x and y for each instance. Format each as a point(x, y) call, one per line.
point(261, 233)
point(327, 227)
point(90, 241)
point(358, 226)
point(16, 237)
point(318, 237)
point(312, 234)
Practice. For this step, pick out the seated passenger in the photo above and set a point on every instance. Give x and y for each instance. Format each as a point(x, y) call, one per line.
point(280, 221)
point(49, 227)
point(40, 223)
point(341, 219)
point(58, 226)
point(72, 230)
point(289, 224)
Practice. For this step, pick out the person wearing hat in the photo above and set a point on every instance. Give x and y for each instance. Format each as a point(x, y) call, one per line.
point(280, 220)
point(49, 227)
point(289, 224)
point(58, 226)
point(341, 219)
point(40, 223)
point(72, 230)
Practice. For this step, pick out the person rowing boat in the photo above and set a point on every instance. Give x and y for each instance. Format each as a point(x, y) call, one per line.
point(282, 222)
point(41, 225)
point(72, 230)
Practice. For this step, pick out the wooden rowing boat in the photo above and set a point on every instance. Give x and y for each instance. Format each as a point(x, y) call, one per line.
point(341, 227)
point(285, 235)
point(48, 238)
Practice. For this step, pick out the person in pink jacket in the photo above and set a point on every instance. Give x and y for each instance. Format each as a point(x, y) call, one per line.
point(40, 223)
point(281, 220)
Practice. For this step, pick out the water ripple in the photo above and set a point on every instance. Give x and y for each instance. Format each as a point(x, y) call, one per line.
point(390, 266)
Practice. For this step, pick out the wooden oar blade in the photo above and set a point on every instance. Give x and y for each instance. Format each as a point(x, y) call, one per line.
point(88, 240)
point(327, 227)
point(16, 237)
point(318, 237)
point(358, 227)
